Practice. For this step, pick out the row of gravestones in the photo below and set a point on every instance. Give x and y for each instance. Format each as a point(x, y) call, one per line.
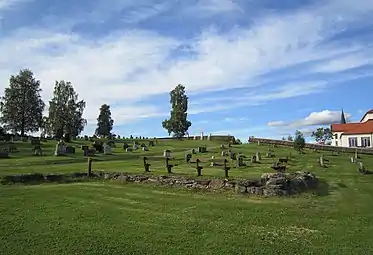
point(136, 146)
point(62, 149)
point(106, 148)
point(100, 147)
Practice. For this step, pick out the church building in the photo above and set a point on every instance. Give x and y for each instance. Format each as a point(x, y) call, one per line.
point(358, 134)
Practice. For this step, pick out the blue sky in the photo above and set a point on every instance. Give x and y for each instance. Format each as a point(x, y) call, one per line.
point(260, 67)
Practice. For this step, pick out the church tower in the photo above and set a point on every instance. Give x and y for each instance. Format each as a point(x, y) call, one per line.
point(343, 119)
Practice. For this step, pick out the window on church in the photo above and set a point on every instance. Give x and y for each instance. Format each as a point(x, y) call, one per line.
point(352, 142)
point(365, 141)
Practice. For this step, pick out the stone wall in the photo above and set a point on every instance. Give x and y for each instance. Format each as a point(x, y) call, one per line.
point(223, 138)
point(311, 146)
point(269, 184)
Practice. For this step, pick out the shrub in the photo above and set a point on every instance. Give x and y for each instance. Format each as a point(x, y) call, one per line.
point(299, 141)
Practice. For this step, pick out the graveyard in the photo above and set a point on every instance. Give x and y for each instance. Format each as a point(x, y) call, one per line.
point(172, 196)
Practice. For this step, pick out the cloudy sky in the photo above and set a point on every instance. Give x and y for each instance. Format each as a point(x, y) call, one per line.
point(251, 67)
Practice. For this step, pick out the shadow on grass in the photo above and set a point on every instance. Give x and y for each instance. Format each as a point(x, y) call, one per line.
point(323, 189)
point(341, 185)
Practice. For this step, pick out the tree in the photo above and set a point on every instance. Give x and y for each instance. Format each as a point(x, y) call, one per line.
point(321, 135)
point(66, 112)
point(22, 106)
point(299, 141)
point(2, 131)
point(104, 122)
point(178, 123)
point(290, 138)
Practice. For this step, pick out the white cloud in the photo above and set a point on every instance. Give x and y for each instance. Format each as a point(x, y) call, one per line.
point(344, 63)
point(285, 91)
point(145, 12)
point(215, 7)
point(230, 119)
point(130, 65)
point(325, 117)
point(277, 123)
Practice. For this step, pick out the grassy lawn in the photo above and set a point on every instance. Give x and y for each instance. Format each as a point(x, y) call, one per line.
point(112, 218)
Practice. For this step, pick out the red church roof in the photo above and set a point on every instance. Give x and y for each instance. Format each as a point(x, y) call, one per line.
point(344, 127)
point(354, 128)
point(363, 128)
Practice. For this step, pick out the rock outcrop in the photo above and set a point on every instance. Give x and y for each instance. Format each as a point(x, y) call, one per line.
point(269, 184)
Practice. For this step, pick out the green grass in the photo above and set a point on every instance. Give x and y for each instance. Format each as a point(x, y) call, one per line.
point(112, 218)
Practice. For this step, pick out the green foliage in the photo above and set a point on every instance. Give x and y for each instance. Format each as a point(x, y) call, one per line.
point(65, 112)
point(290, 138)
point(21, 106)
point(322, 135)
point(104, 122)
point(299, 141)
point(2, 131)
point(178, 124)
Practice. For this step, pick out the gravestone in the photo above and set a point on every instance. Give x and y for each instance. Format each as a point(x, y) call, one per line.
point(222, 147)
point(193, 151)
point(134, 146)
point(125, 146)
point(232, 155)
point(224, 153)
point(321, 161)
point(151, 144)
point(90, 152)
point(269, 154)
point(145, 148)
point(37, 150)
point(258, 156)
point(240, 161)
point(188, 157)
point(253, 159)
point(70, 150)
point(209, 137)
point(129, 149)
point(201, 135)
point(361, 167)
point(167, 153)
point(202, 149)
point(353, 160)
point(258, 143)
point(194, 137)
point(107, 149)
point(60, 149)
point(85, 148)
point(212, 161)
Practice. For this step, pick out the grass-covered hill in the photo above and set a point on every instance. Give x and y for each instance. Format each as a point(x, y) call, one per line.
point(108, 217)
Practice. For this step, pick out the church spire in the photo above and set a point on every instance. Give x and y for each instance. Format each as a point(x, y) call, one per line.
point(343, 119)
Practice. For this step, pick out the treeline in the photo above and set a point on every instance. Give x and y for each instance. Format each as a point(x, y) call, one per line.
point(22, 108)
